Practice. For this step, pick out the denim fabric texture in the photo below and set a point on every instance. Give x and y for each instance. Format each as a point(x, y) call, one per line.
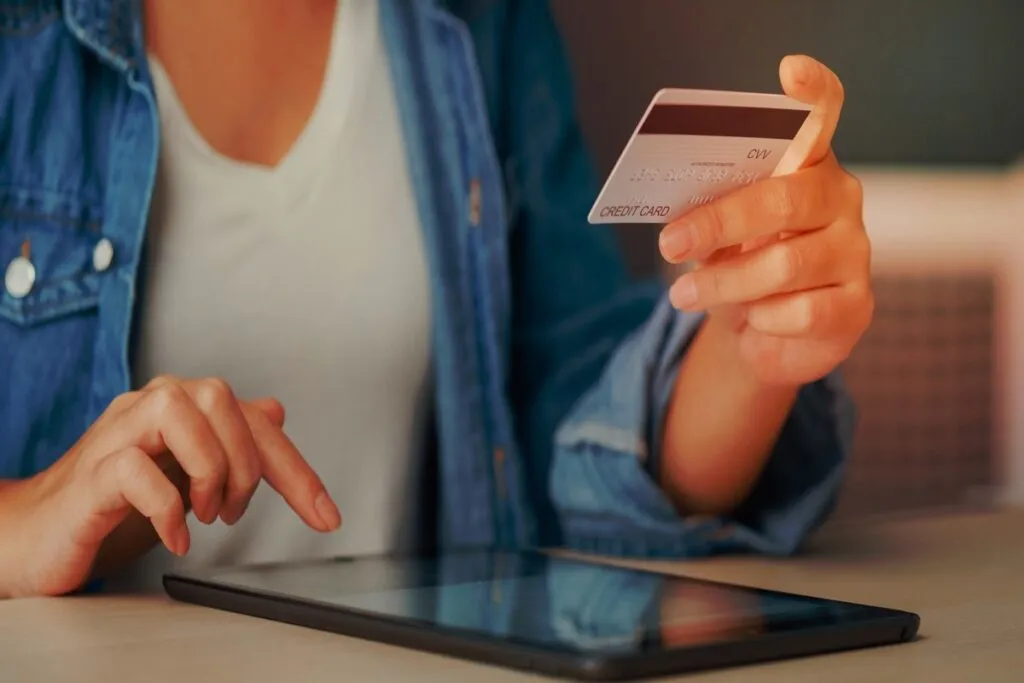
point(553, 366)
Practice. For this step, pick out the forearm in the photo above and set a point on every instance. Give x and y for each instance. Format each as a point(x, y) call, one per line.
point(720, 428)
point(8, 544)
point(14, 542)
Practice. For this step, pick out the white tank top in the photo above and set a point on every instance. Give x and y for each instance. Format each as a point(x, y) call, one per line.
point(306, 282)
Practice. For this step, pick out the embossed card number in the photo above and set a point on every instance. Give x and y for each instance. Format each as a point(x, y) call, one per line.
point(693, 146)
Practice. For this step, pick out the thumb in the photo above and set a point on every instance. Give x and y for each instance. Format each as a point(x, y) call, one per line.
point(809, 81)
point(272, 408)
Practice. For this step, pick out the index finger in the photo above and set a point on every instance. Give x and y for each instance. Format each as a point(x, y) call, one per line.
point(809, 81)
point(803, 201)
point(289, 474)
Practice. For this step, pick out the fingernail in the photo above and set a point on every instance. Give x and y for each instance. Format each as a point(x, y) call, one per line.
point(684, 292)
point(209, 512)
point(243, 510)
point(181, 540)
point(801, 69)
point(675, 241)
point(230, 517)
point(328, 511)
point(201, 511)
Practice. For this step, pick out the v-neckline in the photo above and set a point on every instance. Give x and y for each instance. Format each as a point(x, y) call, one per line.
point(298, 166)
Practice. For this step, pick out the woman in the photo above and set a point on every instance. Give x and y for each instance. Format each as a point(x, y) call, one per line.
point(372, 212)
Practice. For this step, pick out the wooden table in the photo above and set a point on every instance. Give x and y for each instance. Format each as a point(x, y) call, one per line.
point(964, 574)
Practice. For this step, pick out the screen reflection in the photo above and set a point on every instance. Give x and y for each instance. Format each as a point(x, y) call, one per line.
point(542, 600)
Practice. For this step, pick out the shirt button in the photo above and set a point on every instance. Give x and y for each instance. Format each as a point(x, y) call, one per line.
point(102, 255)
point(499, 471)
point(19, 277)
point(475, 200)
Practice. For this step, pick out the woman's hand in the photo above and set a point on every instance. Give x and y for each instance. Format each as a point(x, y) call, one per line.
point(55, 523)
point(784, 263)
point(784, 274)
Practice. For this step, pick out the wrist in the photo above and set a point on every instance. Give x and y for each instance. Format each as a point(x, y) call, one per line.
point(722, 344)
point(721, 423)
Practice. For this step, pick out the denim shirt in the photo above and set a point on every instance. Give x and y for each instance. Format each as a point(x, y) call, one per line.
point(553, 368)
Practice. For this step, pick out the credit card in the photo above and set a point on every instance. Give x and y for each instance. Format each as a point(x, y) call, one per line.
point(694, 146)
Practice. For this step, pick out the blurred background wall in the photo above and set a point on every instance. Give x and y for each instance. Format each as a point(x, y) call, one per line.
point(934, 126)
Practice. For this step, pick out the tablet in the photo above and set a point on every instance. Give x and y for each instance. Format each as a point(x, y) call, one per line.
point(545, 613)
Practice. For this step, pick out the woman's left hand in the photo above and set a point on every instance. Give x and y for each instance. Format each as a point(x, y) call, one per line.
point(784, 264)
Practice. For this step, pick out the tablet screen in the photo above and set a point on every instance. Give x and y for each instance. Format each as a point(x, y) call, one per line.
point(544, 601)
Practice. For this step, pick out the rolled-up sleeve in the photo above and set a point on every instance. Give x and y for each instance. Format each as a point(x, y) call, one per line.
point(602, 481)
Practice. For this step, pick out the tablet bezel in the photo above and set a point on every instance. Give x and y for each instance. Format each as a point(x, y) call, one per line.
point(877, 627)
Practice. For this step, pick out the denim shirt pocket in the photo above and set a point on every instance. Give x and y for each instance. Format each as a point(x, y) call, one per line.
point(52, 254)
point(52, 262)
point(21, 18)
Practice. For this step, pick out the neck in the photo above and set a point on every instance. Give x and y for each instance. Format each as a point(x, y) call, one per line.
point(244, 26)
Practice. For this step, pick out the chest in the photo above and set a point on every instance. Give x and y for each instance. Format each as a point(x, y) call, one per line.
point(309, 273)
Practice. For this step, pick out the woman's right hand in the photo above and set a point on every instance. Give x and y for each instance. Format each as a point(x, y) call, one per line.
point(54, 524)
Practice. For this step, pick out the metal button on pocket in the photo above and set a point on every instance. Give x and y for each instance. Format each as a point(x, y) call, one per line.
point(19, 277)
point(102, 255)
